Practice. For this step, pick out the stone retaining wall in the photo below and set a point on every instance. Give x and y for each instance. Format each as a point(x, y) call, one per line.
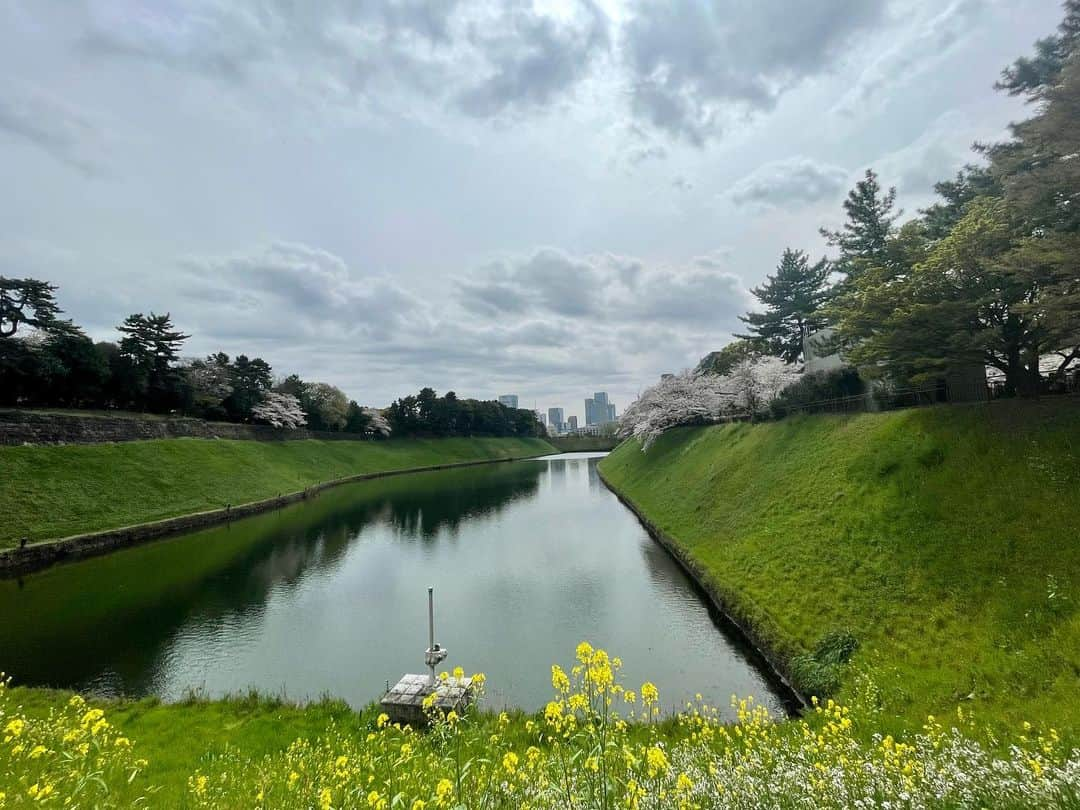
point(38, 427)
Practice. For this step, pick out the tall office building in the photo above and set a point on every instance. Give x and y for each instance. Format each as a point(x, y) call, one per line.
point(598, 411)
point(555, 419)
point(571, 423)
point(509, 400)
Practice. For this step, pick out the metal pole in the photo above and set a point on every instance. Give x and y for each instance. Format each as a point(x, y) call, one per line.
point(431, 627)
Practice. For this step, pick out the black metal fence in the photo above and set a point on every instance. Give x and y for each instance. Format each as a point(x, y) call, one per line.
point(886, 399)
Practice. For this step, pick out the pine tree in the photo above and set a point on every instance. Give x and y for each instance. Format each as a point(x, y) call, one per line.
point(792, 299)
point(1034, 76)
point(150, 347)
point(150, 341)
point(26, 301)
point(864, 238)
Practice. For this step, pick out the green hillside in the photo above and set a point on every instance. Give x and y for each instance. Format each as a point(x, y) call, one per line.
point(56, 491)
point(947, 540)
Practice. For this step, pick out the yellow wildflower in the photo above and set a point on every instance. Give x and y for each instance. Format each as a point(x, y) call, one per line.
point(443, 792)
point(657, 761)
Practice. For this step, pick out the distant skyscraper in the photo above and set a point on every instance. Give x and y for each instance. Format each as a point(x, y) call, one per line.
point(555, 419)
point(571, 423)
point(598, 411)
point(509, 400)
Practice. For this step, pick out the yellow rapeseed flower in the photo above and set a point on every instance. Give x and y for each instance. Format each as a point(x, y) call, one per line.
point(657, 761)
point(649, 693)
point(510, 762)
point(443, 792)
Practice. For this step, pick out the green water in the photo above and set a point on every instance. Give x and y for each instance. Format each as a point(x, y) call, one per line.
point(527, 558)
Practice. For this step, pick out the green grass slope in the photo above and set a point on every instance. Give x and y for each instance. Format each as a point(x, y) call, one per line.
point(946, 539)
point(51, 492)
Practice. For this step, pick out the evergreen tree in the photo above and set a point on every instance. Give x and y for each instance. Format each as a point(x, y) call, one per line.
point(26, 301)
point(970, 182)
point(250, 379)
point(150, 341)
point(1034, 76)
point(151, 346)
point(864, 238)
point(792, 299)
point(75, 371)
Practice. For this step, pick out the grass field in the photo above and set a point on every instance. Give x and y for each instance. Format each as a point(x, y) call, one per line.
point(947, 540)
point(56, 491)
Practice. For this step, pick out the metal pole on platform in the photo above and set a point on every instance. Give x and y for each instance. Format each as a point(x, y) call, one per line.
point(431, 629)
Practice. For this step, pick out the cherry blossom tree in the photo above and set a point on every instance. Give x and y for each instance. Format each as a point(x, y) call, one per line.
point(280, 411)
point(691, 398)
point(377, 424)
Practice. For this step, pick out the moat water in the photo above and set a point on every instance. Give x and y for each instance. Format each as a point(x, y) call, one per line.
point(329, 596)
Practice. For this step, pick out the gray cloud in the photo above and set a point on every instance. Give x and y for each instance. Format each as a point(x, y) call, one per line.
point(295, 290)
point(482, 58)
point(37, 118)
point(547, 280)
point(696, 294)
point(690, 62)
point(606, 288)
point(789, 183)
point(533, 58)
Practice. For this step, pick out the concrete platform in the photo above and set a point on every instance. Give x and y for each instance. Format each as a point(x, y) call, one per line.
point(404, 703)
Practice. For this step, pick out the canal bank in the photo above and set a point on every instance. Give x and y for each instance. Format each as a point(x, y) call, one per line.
point(933, 544)
point(70, 502)
point(779, 667)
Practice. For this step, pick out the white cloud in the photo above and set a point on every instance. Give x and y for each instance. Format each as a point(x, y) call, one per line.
point(789, 183)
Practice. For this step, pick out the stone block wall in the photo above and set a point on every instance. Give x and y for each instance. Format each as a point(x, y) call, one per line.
point(39, 427)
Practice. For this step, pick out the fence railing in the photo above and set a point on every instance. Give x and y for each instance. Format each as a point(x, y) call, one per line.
point(883, 400)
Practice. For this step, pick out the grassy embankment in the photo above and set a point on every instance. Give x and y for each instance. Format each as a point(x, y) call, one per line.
point(947, 540)
point(51, 492)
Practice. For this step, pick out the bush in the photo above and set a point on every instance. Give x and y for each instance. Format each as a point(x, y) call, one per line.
point(819, 673)
point(814, 392)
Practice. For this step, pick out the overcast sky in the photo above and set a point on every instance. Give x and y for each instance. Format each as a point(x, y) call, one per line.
point(541, 198)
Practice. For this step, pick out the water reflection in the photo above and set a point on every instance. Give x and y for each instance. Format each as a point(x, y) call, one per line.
point(327, 596)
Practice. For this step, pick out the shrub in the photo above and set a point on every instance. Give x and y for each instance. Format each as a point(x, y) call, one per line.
point(819, 673)
point(814, 392)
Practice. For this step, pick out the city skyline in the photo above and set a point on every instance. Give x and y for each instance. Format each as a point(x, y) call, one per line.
point(605, 411)
point(541, 405)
